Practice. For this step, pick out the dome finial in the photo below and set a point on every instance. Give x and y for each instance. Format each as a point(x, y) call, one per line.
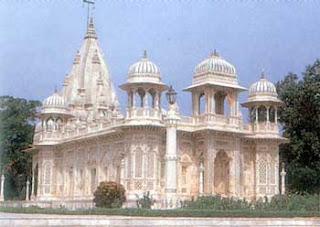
point(214, 53)
point(55, 89)
point(145, 53)
point(262, 73)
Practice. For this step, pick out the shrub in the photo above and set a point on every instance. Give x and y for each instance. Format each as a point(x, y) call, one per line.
point(109, 195)
point(145, 202)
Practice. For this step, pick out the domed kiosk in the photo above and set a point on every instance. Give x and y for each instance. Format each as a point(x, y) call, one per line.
point(263, 106)
point(144, 89)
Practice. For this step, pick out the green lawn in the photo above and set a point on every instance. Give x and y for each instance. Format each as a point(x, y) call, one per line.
point(166, 213)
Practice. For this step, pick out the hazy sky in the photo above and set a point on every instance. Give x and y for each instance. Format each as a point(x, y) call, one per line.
point(39, 39)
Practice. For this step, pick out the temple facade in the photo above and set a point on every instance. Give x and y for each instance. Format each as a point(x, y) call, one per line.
point(83, 137)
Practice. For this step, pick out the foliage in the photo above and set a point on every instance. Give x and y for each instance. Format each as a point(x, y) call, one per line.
point(109, 195)
point(290, 202)
point(17, 119)
point(145, 202)
point(300, 117)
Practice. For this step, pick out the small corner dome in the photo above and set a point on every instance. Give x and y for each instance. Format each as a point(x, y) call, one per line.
point(215, 64)
point(144, 71)
point(54, 104)
point(263, 87)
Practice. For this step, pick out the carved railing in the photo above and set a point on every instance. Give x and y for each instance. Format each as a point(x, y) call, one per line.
point(143, 113)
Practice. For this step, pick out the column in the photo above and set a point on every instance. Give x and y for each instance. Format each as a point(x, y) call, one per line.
point(276, 115)
point(27, 190)
point(268, 118)
point(122, 176)
point(201, 179)
point(2, 188)
point(133, 98)
point(32, 186)
point(171, 156)
point(237, 168)
point(256, 115)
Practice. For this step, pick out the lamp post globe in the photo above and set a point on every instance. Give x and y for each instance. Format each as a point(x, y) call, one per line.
point(171, 95)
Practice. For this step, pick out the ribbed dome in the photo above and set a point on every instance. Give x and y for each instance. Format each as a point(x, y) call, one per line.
point(144, 71)
point(55, 101)
point(144, 67)
point(263, 86)
point(215, 64)
point(55, 104)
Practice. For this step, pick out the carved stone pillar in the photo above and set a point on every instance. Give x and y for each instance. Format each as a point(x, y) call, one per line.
point(32, 186)
point(201, 179)
point(27, 190)
point(237, 167)
point(171, 155)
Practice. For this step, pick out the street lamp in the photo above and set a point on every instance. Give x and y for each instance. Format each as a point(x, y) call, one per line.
point(171, 95)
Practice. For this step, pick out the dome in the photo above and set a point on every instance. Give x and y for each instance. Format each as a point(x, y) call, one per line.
point(144, 71)
point(263, 87)
point(261, 92)
point(54, 104)
point(215, 64)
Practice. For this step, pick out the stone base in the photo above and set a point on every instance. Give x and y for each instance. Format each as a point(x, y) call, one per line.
point(14, 219)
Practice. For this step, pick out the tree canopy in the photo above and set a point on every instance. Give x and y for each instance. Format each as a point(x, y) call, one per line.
point(300, 117)
point(17, 119)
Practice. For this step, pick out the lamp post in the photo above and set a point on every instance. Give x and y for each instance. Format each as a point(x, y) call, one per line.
point(171, 120)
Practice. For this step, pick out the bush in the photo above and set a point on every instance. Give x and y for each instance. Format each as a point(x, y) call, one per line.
point(109, 195)
point(145, 202)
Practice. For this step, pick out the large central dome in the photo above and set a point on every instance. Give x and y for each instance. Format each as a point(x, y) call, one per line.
point(215, 65)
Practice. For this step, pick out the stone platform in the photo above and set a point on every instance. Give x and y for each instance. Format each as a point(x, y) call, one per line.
point(10, 219)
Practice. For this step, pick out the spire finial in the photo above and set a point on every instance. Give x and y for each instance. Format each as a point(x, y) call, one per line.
point(145, 53)
point(89, 3)
point(214, 53)
point(262, 73)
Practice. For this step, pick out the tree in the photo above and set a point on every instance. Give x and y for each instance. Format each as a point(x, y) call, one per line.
point(109, 195)
point(300, 117)
point(17, 119)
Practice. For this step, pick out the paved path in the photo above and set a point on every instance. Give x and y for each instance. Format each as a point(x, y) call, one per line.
point(14, 219)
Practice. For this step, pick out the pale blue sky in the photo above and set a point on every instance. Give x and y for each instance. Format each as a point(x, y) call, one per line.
point(39, 38)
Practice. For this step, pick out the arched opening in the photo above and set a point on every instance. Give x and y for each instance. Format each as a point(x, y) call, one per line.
point(202, 103)
point(219, 98)
point(226, 106)
point(252, 114)
point(49, 124)
point(221, 173)
point(141, 94)
point(272, 114)
point(151, 98)
point(262, 113)
point(189, 176)
point(59, 124)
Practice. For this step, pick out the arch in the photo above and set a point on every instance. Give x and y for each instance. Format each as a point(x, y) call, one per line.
point(189, 176)
point(50, 124)
point(221, 173)
point(252, 114)
point(151, 98)
point(226, 107)
point(272, 114)
point(262, 113)
point(141, 94)
point(59, 123)
point(219, 99)
point(202, 103)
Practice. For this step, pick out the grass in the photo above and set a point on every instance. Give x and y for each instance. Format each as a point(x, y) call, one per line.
point(164, 213)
